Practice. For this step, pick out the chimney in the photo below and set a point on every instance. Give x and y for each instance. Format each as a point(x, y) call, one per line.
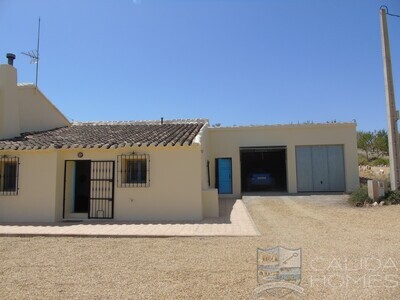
point(9, 100)
point(10, 57)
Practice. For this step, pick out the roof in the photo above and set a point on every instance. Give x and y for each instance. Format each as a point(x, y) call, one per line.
point(110, 135)
point(277, 126)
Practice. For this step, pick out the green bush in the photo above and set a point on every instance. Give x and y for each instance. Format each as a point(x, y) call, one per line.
point(362, 160)
point(374, 161)
point(380, 162)
point(360, 196)
point(392, 197)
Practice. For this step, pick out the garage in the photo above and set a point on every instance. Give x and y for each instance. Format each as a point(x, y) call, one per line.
point(263, 169)
point(320, 168)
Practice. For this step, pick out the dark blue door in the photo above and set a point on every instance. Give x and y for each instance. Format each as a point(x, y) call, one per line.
point(224, 175)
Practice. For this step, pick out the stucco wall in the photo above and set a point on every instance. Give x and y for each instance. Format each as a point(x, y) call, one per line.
point(24, 108)
point(36, 112)
point(204, 158)
point(210, 203)
point(175, 191)
point(9, 114)
point(225, 142)
point(37, 189)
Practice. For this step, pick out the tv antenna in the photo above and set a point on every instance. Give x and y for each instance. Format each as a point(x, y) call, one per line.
point(34, 55)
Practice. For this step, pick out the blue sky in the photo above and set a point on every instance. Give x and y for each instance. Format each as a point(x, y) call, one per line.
point(234, 62)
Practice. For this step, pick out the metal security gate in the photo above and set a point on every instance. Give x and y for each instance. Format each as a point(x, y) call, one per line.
point(101, 202)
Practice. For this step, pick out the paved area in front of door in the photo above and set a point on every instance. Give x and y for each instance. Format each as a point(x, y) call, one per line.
point(234, 220)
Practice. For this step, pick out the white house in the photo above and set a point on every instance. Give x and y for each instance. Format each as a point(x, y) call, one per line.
point(52, 170)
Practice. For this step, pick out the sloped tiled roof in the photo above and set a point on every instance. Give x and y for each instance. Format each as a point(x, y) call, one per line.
point(110, 135)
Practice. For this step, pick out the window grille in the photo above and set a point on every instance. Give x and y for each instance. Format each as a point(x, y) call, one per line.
point(9, 167)
point(133, 170)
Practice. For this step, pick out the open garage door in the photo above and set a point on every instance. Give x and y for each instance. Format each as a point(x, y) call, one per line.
point(263, 169)
point(320, 168)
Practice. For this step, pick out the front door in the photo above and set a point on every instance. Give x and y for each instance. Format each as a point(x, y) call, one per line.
point(82, 186)
point(89, 189)
point(224, 175)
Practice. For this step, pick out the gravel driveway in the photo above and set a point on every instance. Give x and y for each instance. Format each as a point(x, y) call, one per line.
point(347, 253)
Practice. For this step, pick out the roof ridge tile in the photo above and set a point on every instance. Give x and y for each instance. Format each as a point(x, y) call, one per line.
point(112, 135)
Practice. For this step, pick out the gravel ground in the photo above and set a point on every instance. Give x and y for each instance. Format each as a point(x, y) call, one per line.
point(347, 253)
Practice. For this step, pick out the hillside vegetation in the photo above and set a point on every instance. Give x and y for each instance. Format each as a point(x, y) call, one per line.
point(373, 148)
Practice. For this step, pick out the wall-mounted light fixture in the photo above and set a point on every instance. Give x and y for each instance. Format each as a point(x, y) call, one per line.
point(80, 154)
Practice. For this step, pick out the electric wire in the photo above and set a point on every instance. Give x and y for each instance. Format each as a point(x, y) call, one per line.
point(387, 11)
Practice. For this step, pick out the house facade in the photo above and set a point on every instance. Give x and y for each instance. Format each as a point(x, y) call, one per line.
point(54, 170)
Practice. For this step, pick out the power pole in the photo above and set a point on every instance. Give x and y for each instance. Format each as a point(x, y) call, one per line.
point(392, 115)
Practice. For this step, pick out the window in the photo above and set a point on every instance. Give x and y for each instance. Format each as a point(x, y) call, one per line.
point(134, 170)
point(8, 175)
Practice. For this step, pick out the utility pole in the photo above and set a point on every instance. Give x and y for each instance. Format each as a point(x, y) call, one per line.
point(392, 114)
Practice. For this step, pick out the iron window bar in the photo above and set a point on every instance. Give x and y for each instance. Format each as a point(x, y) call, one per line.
point(9, 172)
point(133, 170)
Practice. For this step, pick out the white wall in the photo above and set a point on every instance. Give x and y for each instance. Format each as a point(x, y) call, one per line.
point(9, 114)
point(209, 195)
point(205, 148)
point(36, 112)
point(175, 191)
point(35, 201)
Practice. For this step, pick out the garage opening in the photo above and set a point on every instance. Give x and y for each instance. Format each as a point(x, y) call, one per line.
point(263, 169)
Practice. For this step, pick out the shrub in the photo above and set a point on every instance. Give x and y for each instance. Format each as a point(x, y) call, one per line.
point(360, 196)
point(380, 162)
point(392, 197)
point(362, 160)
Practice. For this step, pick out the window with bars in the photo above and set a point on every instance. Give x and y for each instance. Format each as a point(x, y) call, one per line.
point(9, 175)
point(134, 170)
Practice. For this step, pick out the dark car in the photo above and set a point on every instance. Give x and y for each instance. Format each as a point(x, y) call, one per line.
point(261, 179)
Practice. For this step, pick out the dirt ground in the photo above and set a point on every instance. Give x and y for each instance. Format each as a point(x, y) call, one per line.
point(347, 253)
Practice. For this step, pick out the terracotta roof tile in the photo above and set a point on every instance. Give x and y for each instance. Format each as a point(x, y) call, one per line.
point(109, 135)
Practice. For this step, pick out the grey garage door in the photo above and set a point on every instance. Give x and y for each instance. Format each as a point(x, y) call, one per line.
point(320, 168)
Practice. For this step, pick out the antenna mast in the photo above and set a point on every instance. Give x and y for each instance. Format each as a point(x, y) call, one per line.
point(37, 53)
point(34, 55)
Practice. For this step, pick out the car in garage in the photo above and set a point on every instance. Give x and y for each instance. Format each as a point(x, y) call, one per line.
point(260, 179)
